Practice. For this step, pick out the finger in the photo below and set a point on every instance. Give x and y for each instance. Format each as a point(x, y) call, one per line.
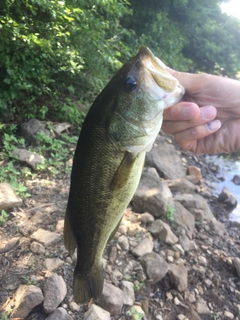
point(205, 115)
point(182, 111)
point(186, 138)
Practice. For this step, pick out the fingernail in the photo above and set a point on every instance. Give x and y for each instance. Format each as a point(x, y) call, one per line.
point(214, 125)
point(208, 112)
point(188, 113)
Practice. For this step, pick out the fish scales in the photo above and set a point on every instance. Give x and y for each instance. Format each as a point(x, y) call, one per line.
point(119, 128)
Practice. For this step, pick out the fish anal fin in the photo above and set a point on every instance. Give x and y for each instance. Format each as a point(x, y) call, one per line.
point(121, 176)
point(69, 239)
point(88, 286)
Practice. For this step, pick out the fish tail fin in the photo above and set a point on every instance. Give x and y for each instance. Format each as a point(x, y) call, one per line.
point(69, 239)
point(88, 286)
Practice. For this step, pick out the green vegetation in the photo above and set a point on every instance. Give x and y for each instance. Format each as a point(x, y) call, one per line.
point(3, 217)
point(170, 213)
point(134, 314)
point(56, 152)
point(55, 56)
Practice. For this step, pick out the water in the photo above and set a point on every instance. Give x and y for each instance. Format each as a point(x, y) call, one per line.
point(229, 166)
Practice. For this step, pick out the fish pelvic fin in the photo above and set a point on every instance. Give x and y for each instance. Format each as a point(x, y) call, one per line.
point(69, 239)
point(88, 286)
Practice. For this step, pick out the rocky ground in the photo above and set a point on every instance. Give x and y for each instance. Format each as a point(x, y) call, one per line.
point(176, 256)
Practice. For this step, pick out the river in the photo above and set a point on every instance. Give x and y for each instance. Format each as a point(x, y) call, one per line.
point(229, 166)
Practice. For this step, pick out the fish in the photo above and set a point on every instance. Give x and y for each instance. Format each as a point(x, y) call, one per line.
point(120, 127)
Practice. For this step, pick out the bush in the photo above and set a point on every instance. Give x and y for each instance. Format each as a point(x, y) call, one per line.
point(51, 51)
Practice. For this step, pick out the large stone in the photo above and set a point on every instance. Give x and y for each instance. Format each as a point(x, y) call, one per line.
point(55, 290)
point(59, 314)
point(123, 242)
point(8, 198)
point(144, 246)
point(32, 159)
point(9, 244)
point(197, 205)
point(45, 237)
point(128, 293)
point(184, 218)
point(31, 128)
point(165, 159)
point(195, 173)
point(179, 276)
point(154, 266)
point(26, 298)
point(37, 247)
point(52, 263)
point(164, 233)
point(96, 313)
point(111, 299)
point(202, 308)
point(227, 198)
point(181, 185)
point(236, 262)
point(152, 195)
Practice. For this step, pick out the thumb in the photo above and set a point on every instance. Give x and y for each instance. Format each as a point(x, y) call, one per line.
point(188, 80)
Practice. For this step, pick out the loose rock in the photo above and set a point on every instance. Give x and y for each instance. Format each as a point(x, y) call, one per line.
point(8, 198)
point(37, 248)
point(128, 293)
point(45, 237)
point(5, 247)
point(227, 198)
point(96, 313)
point(154, 266)
point(59, 314)
point(111, 299)
point(55, 291)
point(165, 158)
point(26, 298)
point(236, 262)
point(32, 159)
point(179, 276)
point(52, 263)
point(197, 205)
point(145, 246)
point(152, 195)
point(184, 218)
point(195, 172)
point(163, 231)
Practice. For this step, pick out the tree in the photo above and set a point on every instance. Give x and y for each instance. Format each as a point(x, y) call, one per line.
point(53, 51)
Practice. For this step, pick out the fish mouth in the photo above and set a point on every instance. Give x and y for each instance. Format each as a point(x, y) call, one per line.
point(173, 90)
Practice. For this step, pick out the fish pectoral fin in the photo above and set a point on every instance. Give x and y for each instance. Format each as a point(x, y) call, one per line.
point(69, 239)
point(123, 172)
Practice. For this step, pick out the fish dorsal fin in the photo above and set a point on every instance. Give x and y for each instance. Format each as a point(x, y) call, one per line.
point(123, 172)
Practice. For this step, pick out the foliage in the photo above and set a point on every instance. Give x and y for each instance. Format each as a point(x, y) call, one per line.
point(175, 31)
point(3, 217)
point(57, 55)
point(135, 315)
point(170, 212)
point(51, 50)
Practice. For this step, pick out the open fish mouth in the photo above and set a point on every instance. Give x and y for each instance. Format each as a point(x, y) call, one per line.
point(173, 90)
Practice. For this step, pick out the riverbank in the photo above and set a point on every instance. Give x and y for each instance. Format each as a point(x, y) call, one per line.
point(175, 256)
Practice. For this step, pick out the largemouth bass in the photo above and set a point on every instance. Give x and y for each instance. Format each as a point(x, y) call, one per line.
point(120, 127)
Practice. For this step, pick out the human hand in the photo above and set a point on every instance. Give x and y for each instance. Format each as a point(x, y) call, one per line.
point(208, 118)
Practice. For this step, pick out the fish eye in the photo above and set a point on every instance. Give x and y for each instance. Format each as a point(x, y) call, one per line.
point(130, 84)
